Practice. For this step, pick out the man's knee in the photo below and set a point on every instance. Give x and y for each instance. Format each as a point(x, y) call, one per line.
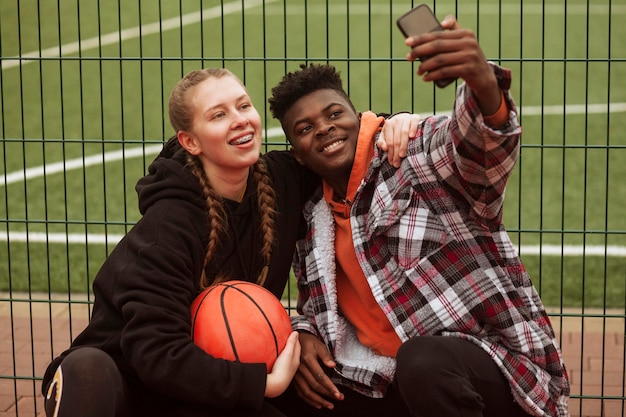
point(432, 378)
point(424, 356)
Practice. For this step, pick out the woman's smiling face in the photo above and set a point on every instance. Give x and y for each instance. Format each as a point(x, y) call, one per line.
point(226, 127)
point(323, 129)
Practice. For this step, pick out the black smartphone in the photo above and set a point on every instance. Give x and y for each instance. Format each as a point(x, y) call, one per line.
point(418, 20)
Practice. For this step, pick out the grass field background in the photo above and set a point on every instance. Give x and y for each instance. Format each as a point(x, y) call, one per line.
point(84, 88)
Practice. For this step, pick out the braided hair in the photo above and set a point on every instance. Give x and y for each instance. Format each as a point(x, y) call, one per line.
point(181, 115)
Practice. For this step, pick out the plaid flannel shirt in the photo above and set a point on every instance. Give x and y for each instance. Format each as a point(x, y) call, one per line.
point(429, 239)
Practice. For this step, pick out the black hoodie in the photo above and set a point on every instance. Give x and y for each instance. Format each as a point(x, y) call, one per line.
point(143, 292)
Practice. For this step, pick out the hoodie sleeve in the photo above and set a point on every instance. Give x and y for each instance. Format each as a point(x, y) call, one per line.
point(145, 289)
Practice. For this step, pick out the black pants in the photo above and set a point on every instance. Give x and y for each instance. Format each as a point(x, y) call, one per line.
point(435, 377)
point(88, 383)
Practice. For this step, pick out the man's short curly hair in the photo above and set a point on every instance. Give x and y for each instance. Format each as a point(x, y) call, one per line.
point(297, 84)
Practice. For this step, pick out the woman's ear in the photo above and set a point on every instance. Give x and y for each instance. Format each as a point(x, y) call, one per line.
point(295, 154)
point(188, 142)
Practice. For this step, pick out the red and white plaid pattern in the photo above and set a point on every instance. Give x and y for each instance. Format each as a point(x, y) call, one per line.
point(430, 240)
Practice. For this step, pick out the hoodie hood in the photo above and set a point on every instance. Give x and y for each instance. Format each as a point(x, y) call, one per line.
point(168, 178)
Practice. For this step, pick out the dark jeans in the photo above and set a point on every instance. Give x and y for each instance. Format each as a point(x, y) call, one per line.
point(435, 377)
point(90, 384)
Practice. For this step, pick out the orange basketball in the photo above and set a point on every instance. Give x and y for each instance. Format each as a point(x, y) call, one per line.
point(240, 321)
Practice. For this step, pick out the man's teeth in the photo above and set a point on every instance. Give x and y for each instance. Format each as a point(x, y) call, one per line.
point(244, 139)
point(332, 145)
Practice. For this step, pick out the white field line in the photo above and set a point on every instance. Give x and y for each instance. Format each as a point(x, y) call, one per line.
point(134, 32)
point(573, 109)
point(98, 159)
point(317, 9)
point(568, 109)
point(78, 163)
point(448, 7)
point(113, 239)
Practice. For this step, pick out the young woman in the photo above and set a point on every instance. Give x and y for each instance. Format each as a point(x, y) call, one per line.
point(212, 210)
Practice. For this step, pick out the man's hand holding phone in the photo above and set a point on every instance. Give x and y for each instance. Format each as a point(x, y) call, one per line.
point(450, 52)
point(418, 21)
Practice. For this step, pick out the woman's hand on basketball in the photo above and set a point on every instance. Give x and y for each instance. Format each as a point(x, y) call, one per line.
point(395, 136)
point(311, 382)
point(284, 368)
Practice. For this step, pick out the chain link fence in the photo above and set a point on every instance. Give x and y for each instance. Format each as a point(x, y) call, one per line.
point(83, 110)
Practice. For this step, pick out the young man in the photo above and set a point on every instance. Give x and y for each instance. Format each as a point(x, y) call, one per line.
point(412, 297)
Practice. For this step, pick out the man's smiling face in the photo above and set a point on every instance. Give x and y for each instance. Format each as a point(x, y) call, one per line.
point(323, 129)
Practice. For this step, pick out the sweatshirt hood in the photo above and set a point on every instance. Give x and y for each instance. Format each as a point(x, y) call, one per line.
point(168, 178)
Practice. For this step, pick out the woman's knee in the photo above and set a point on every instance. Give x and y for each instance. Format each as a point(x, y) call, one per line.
point(87, 382)
point(88, 363)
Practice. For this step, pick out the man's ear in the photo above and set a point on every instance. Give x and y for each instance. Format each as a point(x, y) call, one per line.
point(188, 142)
point(295, 154)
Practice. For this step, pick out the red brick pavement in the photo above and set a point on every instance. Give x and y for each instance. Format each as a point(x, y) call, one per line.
point(31, 333)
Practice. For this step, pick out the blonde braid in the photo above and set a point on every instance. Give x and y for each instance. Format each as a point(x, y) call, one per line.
point(216, 215)
point(266, 199)
point(181, 113)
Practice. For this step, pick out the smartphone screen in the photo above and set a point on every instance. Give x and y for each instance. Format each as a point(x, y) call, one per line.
point(418, 20)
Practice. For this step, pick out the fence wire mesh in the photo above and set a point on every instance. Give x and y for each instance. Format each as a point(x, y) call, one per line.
point(83, 110)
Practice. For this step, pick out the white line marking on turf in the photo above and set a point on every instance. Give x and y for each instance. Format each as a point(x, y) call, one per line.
point(446, 7)
point(317, 9)
point(573, 109)
point(112, 239)
point(135, 32)
point(78, 163)
point(572, 250)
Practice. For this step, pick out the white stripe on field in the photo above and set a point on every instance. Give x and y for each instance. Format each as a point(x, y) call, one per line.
point(78, 163)
point(135, 32)
point(84, 162)
point(572, 250)
point(317, 9)
point(569, 109)
point(447, 7)
point(41, 237)
point(573, 109)
point(112, 239)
